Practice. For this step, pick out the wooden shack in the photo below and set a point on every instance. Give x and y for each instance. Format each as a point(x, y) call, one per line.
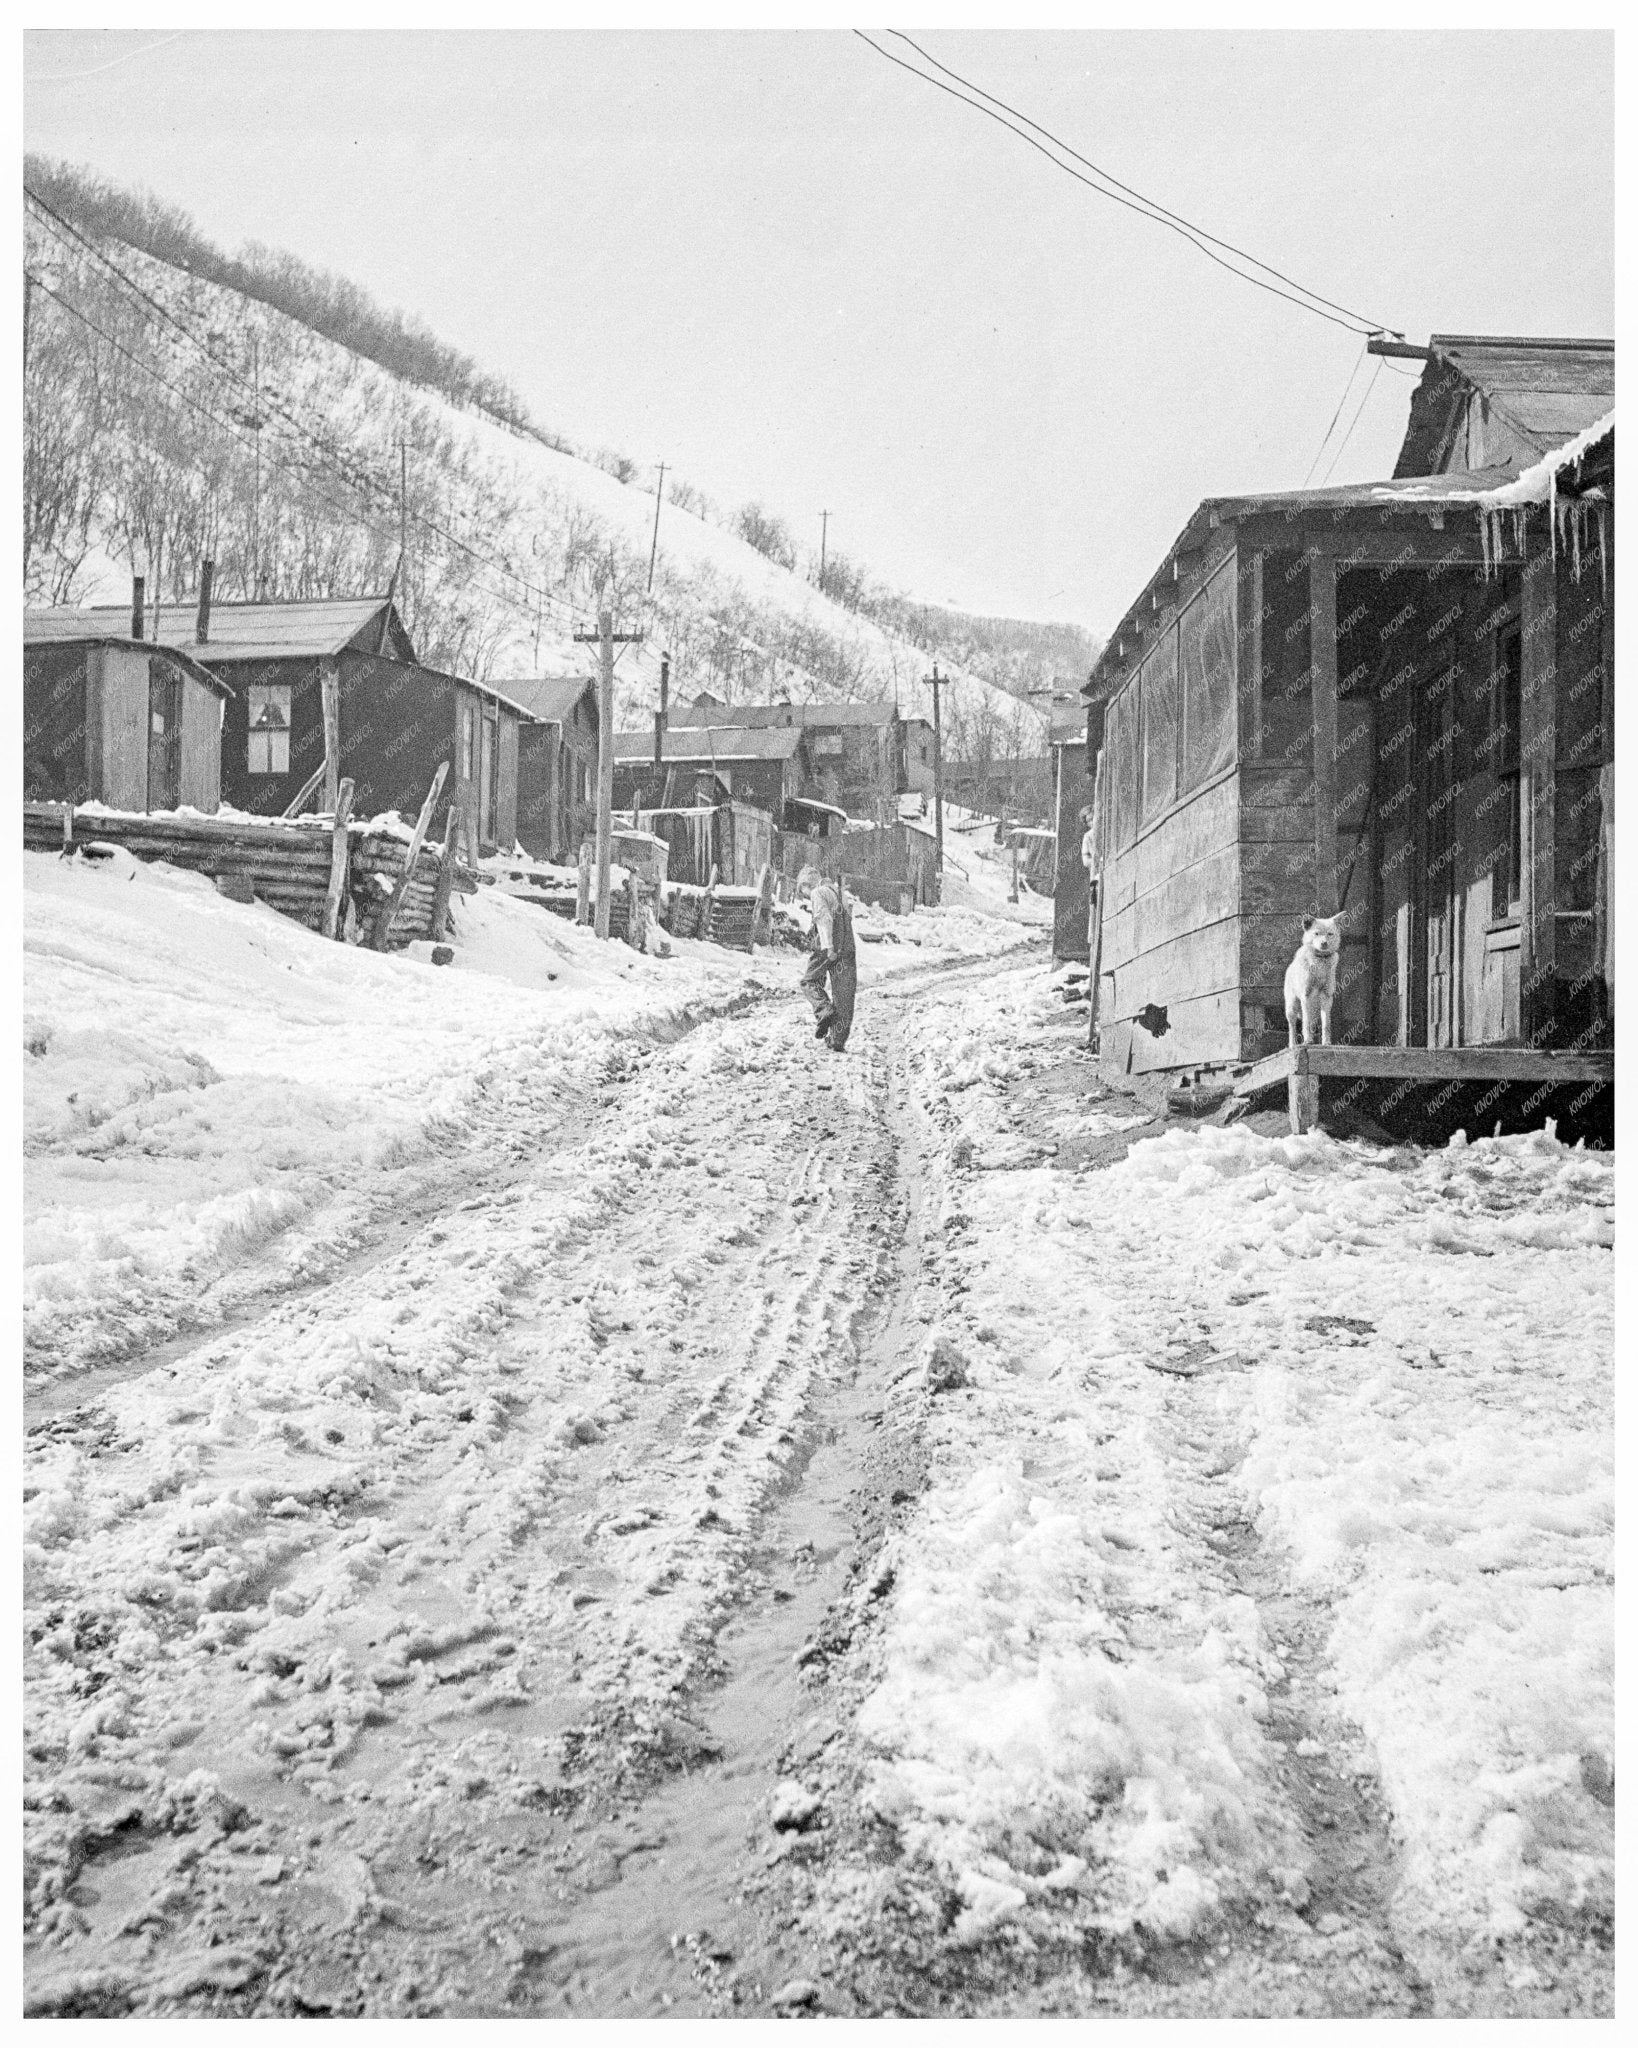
point(306, 671)
point(557, 764)
point(859, 753)
point(767, 767)
point(1390, 701)
point(127, 723)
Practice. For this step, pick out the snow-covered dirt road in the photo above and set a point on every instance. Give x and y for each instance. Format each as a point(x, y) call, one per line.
point(784, 1539)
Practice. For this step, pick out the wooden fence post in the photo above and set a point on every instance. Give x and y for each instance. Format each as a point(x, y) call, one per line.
point(446, 873)
point(709, 902)
point(384, 928)
point(330, 701)
point(582, 887)
point(762, 929)
point(337, 892)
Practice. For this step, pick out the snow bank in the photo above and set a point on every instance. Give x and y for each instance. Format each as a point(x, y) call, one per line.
point(1394, 1366)
point(200, 1076)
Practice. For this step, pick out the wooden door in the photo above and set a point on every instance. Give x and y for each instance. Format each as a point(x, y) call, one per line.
point(164, 737)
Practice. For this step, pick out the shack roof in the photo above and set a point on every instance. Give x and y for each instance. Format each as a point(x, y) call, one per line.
point(166, 652)
point(552, 699)
point(711, 744)
point(245, 630)
point(761, 716)
point(1545, 389)
point(1432, 494)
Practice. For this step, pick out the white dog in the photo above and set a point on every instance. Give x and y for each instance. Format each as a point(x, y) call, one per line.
point(1311, 979)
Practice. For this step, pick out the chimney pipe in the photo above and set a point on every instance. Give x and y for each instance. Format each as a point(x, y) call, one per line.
point(659, 739)
point(136, 607)
point(665, 688)
point(207, 571)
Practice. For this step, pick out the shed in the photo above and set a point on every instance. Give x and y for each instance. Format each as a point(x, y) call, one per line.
point(1390, 701)
point(128, 723)
point(557, 764)
point(296, 665)
point(765, 767)
point(858, 751)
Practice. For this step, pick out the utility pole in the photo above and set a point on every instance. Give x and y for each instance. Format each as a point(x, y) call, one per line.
point(938, 683)
point(605, 636)
point(824, 537)
point(653, 553)
point(256, 489)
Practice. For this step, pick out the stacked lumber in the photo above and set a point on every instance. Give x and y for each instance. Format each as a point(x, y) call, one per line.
point(284, 863)
point(733, 919)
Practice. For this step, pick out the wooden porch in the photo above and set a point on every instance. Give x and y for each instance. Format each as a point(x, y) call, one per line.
point(1415, 1067)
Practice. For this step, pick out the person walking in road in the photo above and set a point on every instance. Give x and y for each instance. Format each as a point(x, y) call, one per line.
point(832, 975)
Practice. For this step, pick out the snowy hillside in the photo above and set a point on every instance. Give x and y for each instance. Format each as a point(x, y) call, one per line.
point(170, 417)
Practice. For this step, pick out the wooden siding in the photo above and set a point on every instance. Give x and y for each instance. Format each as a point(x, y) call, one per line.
point(506, 782)
point(124, 690)
point(56, 744)
point(201, 746)
point(1171, 936)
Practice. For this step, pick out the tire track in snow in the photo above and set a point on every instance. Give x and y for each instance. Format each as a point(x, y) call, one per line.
point(403, 1629)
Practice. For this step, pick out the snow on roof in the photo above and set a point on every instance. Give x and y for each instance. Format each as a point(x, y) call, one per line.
point(239, 630)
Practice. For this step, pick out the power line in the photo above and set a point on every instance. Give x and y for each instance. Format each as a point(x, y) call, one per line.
point(63, 77)
point(1109, 177)
point(348, 469)
point(1354, 422)
point(1341, 402)
point(303, 476)
point(1309, 302)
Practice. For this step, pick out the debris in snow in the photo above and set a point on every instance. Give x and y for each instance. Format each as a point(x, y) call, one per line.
point(794, 1807)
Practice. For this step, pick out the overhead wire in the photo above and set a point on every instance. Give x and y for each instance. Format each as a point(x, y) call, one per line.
point(347, 468)
point(1354, 422)
point(1341, 402)
point(1177, 219)
point(1308, 302)
point(305, 477)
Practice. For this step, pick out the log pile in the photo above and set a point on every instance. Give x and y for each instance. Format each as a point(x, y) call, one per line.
point(282, 863)
point(733, 919)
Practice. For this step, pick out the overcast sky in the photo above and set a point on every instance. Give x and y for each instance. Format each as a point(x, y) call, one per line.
point(797, 274)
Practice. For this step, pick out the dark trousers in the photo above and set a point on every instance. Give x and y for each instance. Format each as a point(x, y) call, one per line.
point(832, 1003)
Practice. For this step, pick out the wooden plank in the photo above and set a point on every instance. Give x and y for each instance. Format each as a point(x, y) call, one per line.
point(298, 802)
point(1274, 789)
point(1202, 1029)
point(1202, 894)
point(416, 839)
point(1538, 749)
point(1427, 1063)
point(335, 895)
point(1249, 654)
point(1276, 880)
point(330, 704)
point(201, 766)
point(446, 873)
point(1196, 964)
point(1322, 640)
point(124, 728)
point(1302, 1102)
point(1280, 824)
point(1372, 538)
point(1207, 821)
